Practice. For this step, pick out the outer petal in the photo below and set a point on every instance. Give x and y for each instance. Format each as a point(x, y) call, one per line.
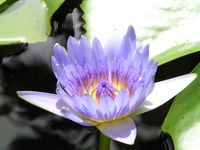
point(45, 101)
point(60, 54)
point(86, 106)
point(62, 57)
point(58, 71)
point(122, 130)
point(64, 96)
point(67, 113)
point(164, 91)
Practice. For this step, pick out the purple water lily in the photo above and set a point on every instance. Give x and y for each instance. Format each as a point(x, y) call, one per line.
point(105, 87)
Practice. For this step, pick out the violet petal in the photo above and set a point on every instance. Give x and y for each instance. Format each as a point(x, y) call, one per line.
point(122, 130)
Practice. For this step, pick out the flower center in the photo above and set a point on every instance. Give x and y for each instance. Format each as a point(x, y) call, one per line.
point(104, 88)
point(99, 79)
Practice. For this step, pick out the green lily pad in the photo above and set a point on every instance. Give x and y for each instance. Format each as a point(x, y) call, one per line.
point(27, 21)
point(183, 119)
point(177, 51)
point(173, 25)
point(2, 1)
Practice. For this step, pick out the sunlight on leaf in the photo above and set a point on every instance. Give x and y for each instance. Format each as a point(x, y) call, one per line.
point(182, 121)
point(173, 25)
point(28, 20)
point(177, 51)
point(2, 1)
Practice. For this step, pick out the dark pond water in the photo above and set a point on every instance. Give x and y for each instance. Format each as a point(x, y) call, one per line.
point(26, 127)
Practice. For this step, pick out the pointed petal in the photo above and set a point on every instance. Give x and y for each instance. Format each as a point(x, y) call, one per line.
point(143, 49)
point(60, 54)
point(137, 98)
point(131, 35)
point(73, 48)
point(112, 44)
point(125, 49)
point(85, 49)
point(58, 71)
point(64, 96)
point(106, 108)
point(122, 130)
point(97, 51)
point(67, 113)
point(164, 91)
point(86, 106)
point(122, 103)
point(45, 101)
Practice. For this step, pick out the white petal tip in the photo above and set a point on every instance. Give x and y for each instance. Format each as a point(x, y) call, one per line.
point(56, 45)
point(164, 91)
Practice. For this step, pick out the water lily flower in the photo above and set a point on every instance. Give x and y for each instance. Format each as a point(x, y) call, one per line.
point(106, 87)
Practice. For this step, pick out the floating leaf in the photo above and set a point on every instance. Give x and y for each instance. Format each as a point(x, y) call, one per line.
point(183, 119)
point(2, 1)
point(28, 20)
point(173, 25)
